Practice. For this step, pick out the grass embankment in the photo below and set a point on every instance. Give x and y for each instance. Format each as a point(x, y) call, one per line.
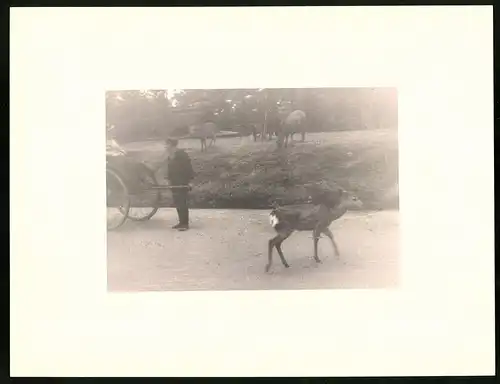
point(237, 173)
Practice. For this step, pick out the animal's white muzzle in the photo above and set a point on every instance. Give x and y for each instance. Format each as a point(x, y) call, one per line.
point(273, 220)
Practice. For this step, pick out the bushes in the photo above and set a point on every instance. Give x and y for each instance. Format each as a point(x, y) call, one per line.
point(256, 176)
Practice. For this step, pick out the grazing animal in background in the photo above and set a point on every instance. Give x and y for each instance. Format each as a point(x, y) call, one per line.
point(291, 122)
point(262, 130)
point(273, 127)
point(204, 131)
point(315, 216)
point(256, 130)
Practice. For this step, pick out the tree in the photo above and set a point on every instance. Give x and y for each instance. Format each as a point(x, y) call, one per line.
point(140, 114)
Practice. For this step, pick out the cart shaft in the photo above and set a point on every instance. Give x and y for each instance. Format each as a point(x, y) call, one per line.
point(166, 187)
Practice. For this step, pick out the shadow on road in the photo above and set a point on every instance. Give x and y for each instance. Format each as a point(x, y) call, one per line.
point(152, 224)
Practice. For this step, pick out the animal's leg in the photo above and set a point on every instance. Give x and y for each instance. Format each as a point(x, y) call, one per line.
point(276, 242)
point(271, 245)
point(303, 136)
point(280, 252)
point(280, 139)
point(316, 234)
point(329, 234)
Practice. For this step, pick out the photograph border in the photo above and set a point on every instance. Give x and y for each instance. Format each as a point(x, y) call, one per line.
point(440, 322)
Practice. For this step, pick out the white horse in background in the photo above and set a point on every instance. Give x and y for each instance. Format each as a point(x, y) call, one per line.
point(291, 122)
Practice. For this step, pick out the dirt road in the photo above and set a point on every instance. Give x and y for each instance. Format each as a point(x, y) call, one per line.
point(227, 250)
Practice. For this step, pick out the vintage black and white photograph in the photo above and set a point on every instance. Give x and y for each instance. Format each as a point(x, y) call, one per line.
point(288, 191)
point(245, 189)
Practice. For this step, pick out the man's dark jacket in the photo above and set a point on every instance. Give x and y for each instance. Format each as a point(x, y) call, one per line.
point(180, 170)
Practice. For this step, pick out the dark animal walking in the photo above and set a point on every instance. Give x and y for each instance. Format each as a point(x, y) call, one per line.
point(316, 217)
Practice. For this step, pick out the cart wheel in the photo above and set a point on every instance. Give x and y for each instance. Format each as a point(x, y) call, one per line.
point(145, 213)
point(117, 199)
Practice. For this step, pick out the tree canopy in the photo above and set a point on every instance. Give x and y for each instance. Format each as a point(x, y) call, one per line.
point(141, 114)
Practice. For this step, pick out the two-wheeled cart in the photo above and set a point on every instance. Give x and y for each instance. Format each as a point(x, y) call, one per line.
point(132, 190)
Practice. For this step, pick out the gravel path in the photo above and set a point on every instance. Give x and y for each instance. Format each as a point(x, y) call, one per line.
point(227, 250)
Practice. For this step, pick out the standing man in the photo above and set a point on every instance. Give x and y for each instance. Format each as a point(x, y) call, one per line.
point(179, 173)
